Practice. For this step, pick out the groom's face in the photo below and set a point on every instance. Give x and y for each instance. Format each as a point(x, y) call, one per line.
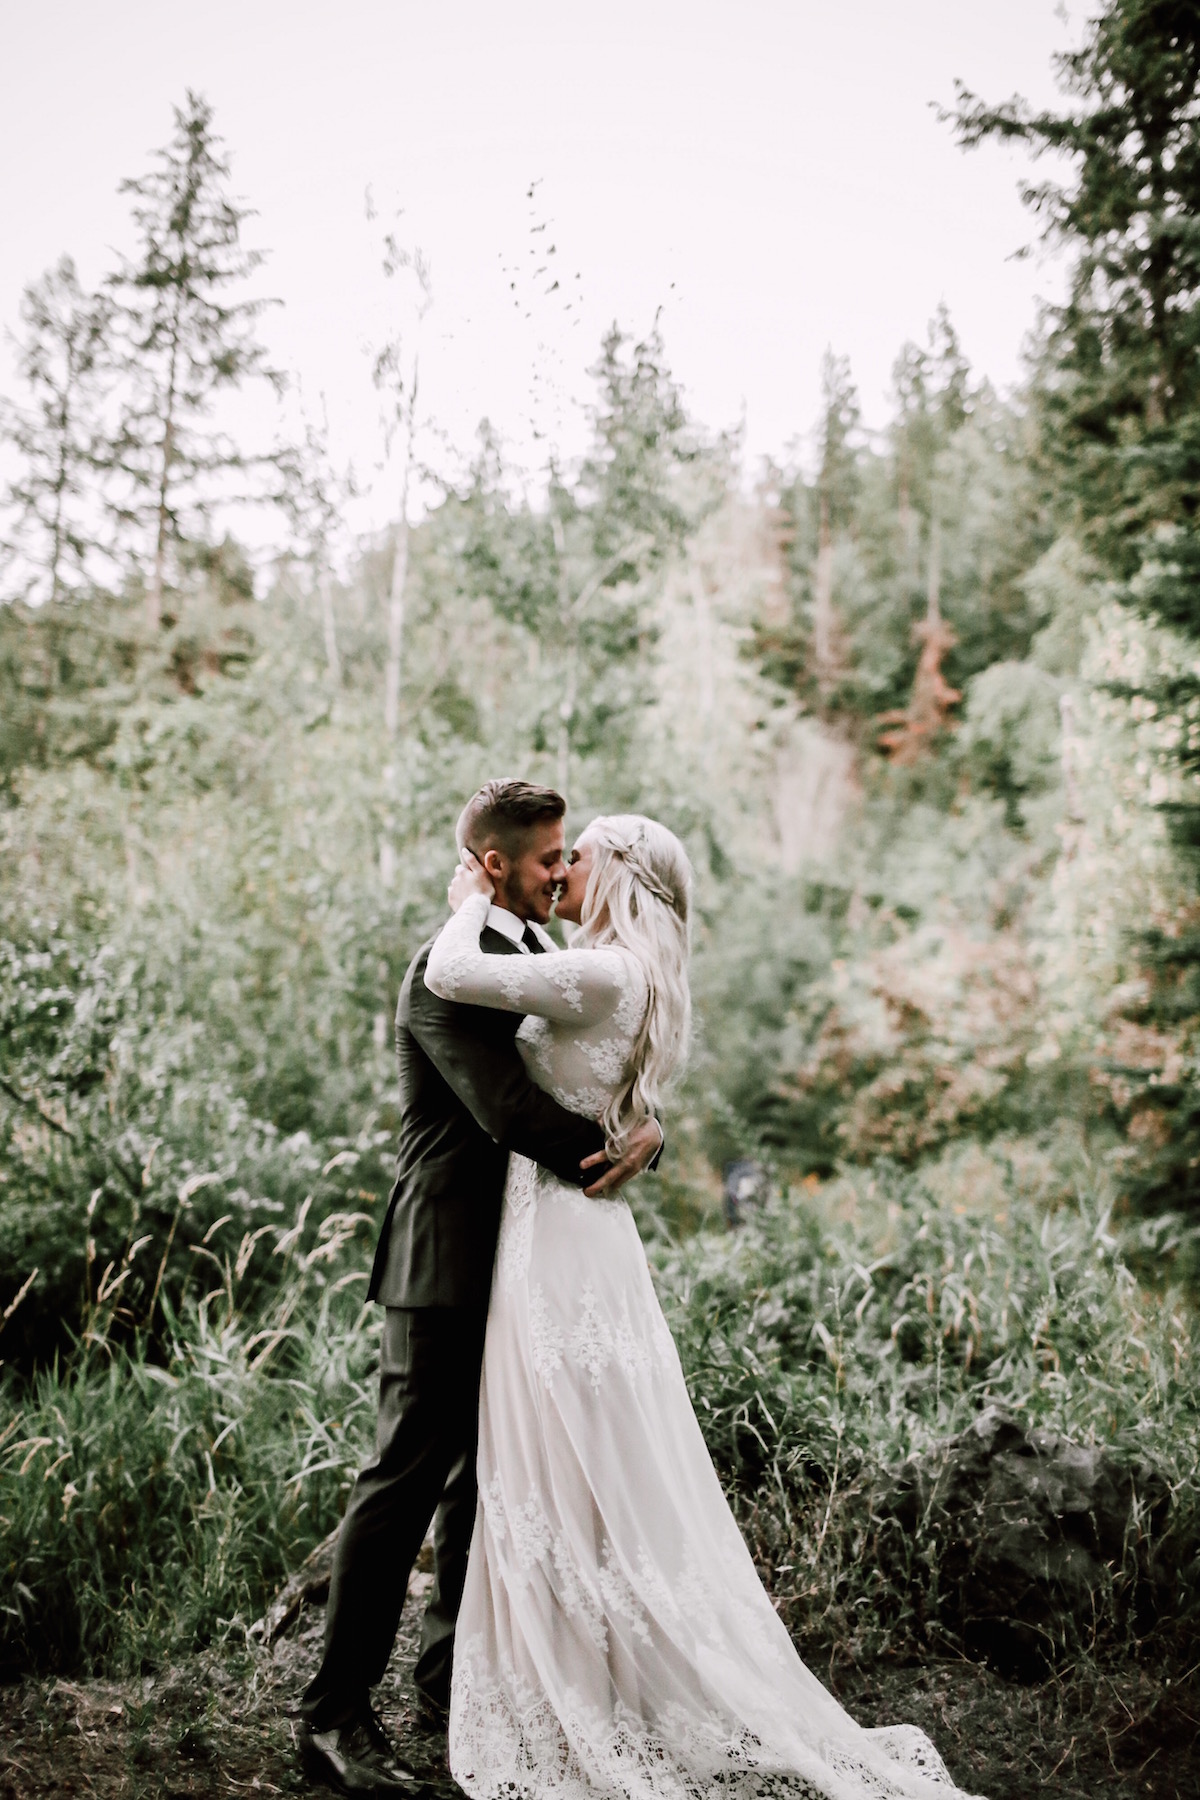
point(531, 876)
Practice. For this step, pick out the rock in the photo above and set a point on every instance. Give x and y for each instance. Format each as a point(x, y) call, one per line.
point(1027, 1541)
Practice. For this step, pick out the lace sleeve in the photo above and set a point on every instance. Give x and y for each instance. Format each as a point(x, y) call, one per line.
point(573, 987)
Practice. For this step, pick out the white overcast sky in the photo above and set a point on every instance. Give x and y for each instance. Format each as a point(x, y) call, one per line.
point(769, 172)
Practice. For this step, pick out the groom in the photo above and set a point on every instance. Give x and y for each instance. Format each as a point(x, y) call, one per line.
point(466, 1103)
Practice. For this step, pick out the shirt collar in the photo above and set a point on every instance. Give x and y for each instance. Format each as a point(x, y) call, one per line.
point(509, 926)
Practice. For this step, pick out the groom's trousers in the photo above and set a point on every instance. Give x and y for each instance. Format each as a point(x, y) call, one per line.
point(425, 1465)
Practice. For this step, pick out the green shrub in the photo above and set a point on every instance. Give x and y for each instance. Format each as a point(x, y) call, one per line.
point(148, 1508)
point(849, 1328)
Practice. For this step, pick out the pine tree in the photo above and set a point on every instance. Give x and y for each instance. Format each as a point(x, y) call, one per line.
point(933, 396)
point(837, 495)
point(1121, 390)
point(58, 434)
point(580, 573)
point(184, 341)
point(1120, 400)
point(613, 532)
point(314, 497)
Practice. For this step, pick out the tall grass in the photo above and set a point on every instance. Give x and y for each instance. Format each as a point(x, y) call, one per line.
point(851, 1327)
point(150, 1507)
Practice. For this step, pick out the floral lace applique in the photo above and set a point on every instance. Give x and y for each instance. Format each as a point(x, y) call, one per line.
point(619, 1597)
point(506, 1739)
point(511, 977)
point(530, 1534)
point(515, 1248)
point(541, 1046)
point(546, 1341)
point(454, 973)
point(595, 1342)
point(565, 976)
point(576, 1597)
point(591, 1340)
point(696, 1598)
point(607, 1059)
point(527, 1532)
point(534, 1040)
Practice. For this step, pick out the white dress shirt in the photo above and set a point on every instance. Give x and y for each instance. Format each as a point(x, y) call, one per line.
point(509, 926)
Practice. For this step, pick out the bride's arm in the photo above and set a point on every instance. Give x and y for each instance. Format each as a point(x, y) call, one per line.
point(579, 987)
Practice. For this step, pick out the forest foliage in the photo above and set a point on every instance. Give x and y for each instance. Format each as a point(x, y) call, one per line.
point(924, 707)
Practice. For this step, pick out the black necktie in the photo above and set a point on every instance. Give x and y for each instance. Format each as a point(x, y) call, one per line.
point(532, 942)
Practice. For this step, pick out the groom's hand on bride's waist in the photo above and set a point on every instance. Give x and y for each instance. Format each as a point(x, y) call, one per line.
point(643, 1151)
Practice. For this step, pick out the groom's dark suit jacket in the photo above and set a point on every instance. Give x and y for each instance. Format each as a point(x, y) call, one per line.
point(460, 1065)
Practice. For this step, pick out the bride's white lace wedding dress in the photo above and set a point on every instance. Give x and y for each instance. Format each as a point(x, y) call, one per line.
point(614, 1637)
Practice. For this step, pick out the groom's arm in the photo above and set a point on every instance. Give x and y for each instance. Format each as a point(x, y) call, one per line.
point(491, 1081)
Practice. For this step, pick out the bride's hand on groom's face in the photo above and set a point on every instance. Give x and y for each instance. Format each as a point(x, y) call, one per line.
point(470, 877)
point(643, 1147)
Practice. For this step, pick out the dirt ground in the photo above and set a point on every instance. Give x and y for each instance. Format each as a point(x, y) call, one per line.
point(217, 1726)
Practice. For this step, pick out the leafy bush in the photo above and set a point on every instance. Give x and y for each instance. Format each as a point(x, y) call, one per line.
point(150, 1507)
point(121, 1132)
point(849, 1328)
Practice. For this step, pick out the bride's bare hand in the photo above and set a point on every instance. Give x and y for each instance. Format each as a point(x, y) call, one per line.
point(644, 1145)
point(470, 877)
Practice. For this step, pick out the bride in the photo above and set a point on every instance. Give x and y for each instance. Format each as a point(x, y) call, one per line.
point(614, 1638)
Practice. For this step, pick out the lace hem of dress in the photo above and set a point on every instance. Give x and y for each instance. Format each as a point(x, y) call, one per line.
point(507, 1742)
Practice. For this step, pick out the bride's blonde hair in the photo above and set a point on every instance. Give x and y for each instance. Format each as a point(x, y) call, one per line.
point(638, 896)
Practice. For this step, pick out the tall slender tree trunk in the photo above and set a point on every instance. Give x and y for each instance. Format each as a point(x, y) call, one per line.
point(823, 619)
point(908, 519)
point(56, 532)
point(154, 599)
point(395, 649)
point(570, 635)
point(396, 596)
point(566, 715)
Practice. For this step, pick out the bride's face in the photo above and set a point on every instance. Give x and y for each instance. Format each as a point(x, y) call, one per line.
point(579, 867)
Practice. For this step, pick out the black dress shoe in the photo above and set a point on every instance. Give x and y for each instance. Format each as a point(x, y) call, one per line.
point(355, 1759)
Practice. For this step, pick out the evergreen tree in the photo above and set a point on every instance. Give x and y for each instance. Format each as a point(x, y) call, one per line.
point(838, 486)
point(580, 574)
point(58, 434)
point(800, 639)
point(314, 498)
point(184, 340)
point(933, 397)
point(1121, 390)
point(613, 531)
point(1120, 397)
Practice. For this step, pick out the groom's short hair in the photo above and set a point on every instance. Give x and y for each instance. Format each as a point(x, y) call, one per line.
point(502, 812)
